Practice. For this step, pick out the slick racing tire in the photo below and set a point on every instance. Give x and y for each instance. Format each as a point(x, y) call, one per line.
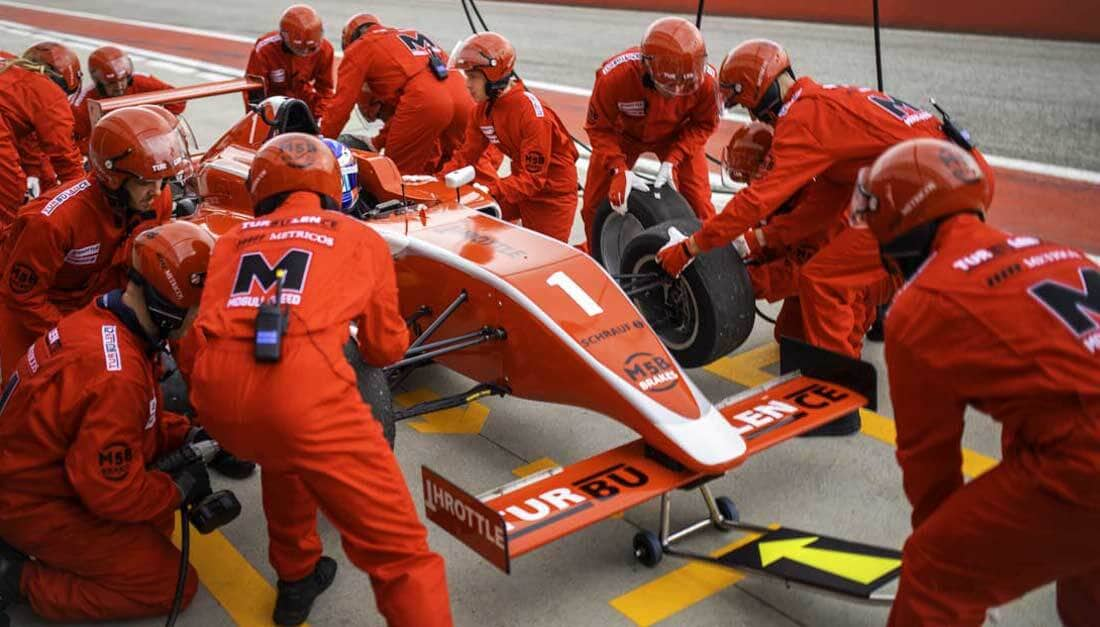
point(705, 313)
point(612, 232)
point(374, 390)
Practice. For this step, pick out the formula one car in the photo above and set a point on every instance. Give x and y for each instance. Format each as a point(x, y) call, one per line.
point(522, 314)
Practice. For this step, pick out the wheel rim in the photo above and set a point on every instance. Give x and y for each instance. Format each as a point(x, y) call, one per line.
point(670, 309)
point(616, 233)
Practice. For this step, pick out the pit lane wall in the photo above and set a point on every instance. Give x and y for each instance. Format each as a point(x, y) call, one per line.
point(1049, 19)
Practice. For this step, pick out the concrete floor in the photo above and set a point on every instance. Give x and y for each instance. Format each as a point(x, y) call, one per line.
point(849, 486)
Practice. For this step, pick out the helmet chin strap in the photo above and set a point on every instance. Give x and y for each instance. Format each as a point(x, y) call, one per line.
point(772, 101)
point(909, 251)
point(166, 316)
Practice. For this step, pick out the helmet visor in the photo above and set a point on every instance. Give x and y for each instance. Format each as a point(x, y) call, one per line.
point(676, 77)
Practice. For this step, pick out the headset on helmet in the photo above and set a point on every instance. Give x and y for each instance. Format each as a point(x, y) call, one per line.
point(301, 30)
point(356, 26)
point(293, 162)
point(62, 65)
point(488, 53)
point(909, 189)
point(744, 154)
point(145, 141)
point(349, 174)
point(675, 56)
point(110, 65)
point(169, 263)
point(748, 77)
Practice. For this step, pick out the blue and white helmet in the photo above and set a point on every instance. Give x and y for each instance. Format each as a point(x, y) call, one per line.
point(349, 173)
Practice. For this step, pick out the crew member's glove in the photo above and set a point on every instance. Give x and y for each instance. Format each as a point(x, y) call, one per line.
point(664, 176)
point(193, 483)
point(749, 244)
point(676, 255)
point(34, 188)
point(224, 462)
point(624, 181)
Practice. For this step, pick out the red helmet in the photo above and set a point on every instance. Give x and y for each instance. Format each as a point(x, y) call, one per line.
point(675, 56)
point(917, 182)
point(355, 27)
point(748, 76)
point(488, 53)
point(110, 65)
point(747, 148)
point(145, 141)
point(294, 162)
point(62, 64)
point(172, 258)
point(301, 30)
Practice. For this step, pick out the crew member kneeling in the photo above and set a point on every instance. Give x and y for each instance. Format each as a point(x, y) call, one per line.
point(1011, 326)
point(80, 420)
point(272, 384)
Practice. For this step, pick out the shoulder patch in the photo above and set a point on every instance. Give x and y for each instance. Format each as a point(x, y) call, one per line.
point(619, 60)
point(65, 195)
point(152, 414)
point(535, 103)
point(111, 354)
point(267, 41)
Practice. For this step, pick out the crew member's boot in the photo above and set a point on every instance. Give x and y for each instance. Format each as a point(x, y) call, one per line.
point(296, 598)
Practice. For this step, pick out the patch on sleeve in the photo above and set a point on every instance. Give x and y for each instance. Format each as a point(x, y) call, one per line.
point(110, 348)
point(53, 340)
point(60, 199)
point(534, 161)
point(114, 461)
point(278, 75)
point(152, 414)
point(535, 103)
point(22, 278)
point(85, 256)
point(32, 360)
point(633, 108)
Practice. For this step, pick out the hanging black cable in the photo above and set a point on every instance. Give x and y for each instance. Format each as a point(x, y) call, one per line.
point(469, 19)
point(761, 314)
point(699, 16)
point(878, 49)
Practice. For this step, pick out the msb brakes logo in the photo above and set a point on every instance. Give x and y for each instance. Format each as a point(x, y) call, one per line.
point(651, 373)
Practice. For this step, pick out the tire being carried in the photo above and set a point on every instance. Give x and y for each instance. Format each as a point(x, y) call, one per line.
point(704, 314)
point(612, 232)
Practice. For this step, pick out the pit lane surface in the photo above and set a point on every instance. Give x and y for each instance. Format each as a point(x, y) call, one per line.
point(848, 486)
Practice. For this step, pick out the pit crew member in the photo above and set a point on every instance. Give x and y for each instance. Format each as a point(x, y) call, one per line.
point(34, 90)
point(113, 75)
point(1008, 325)
point(662, 98)
point(542, 189)
point(822, 131)
point(298, 413)
point(295, 61)
point(80, 420)
point(70, 244)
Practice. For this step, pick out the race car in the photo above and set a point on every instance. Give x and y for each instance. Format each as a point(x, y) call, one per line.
point(523, 314)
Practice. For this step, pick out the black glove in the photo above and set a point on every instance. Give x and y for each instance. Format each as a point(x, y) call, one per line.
point(193, 483)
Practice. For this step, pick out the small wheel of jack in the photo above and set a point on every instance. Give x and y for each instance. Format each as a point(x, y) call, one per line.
point(647, 548)
point(727, 509)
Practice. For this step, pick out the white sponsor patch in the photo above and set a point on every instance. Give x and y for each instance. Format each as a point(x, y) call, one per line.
point(619, 60)
point(490, 133)
point(60, 199)
point(278, 76)
point(534, 103)
point(110, 348)
point(32, 360)
point(85, 256)
point(152, 414)
point(633, 108)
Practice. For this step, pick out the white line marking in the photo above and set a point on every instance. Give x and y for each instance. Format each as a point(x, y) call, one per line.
point(95, 16)
point(1033, 167)
point(172, 67)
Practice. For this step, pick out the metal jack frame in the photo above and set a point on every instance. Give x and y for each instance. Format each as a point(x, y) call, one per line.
point(722, 514)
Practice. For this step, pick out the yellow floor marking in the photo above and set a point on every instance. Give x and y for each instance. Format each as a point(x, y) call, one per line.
point(666, 595)
point(241, 591)
point(747, 368)
point(539, 464)
point(468, 419)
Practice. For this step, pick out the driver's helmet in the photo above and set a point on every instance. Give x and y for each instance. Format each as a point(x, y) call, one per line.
point(349, 174)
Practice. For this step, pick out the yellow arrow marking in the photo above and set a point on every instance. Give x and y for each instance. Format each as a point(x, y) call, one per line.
point(468, 419)
point(853, 566)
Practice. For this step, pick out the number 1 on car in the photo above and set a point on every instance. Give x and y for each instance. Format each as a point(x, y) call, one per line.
point(574, 291)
